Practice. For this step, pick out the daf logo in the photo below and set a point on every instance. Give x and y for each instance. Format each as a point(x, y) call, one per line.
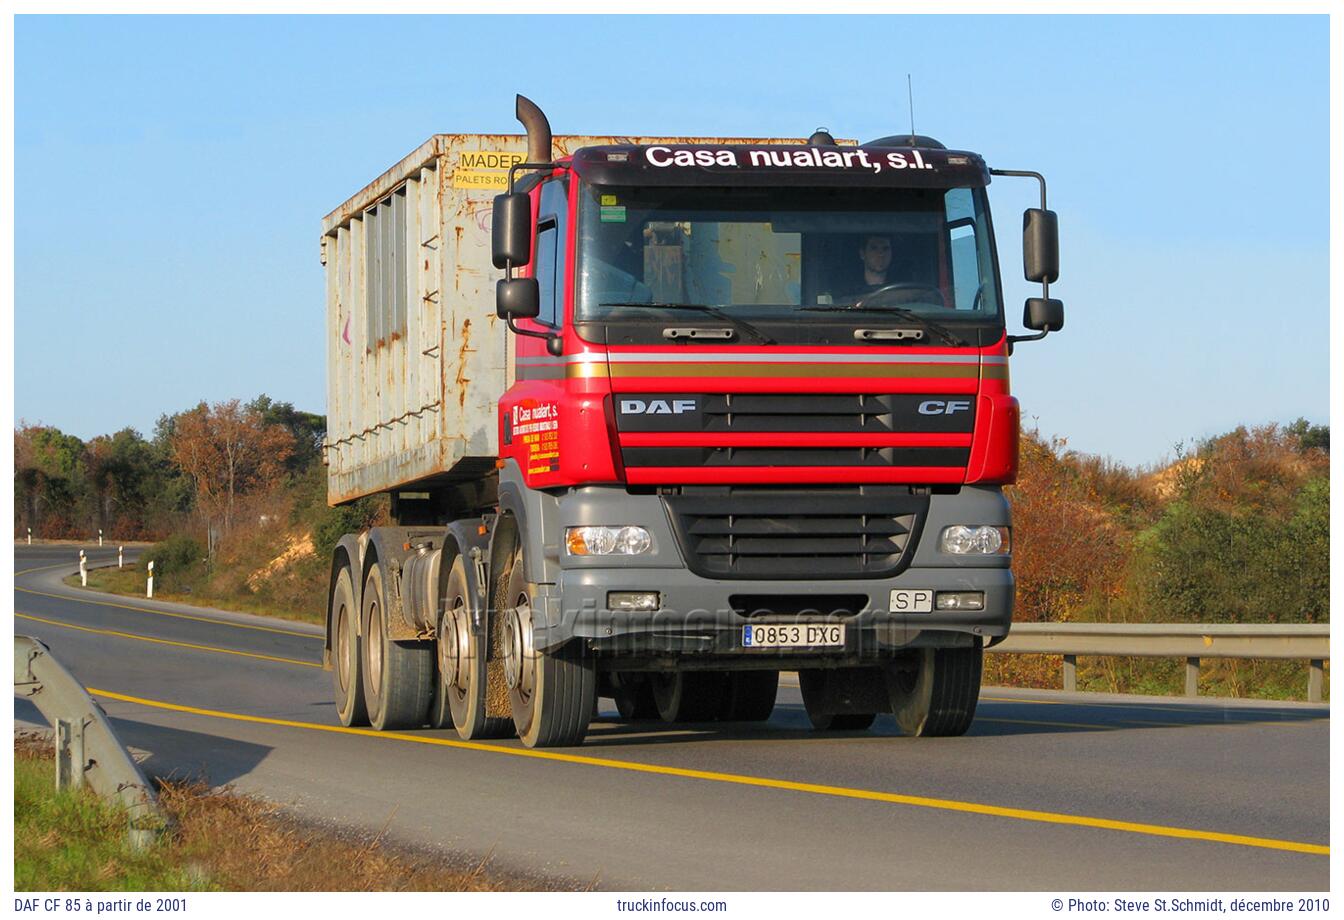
point(944, 406)
point(656, 406)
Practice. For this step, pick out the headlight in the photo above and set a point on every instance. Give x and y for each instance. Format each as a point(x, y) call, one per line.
point(607, 541)
point(966, 540)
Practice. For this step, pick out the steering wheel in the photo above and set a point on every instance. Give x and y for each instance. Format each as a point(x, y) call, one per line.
point(908, 288)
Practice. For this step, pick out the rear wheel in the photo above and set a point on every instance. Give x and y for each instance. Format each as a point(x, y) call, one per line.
point(935, 694)
point(633, 694)
point(552, 696)
point(345, 653)
point(750, 696)
point(397, 674)
point(460, 675)
point(689, 696)
point(844, 699)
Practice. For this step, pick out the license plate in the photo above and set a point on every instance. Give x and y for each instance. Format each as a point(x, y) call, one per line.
point(793, 635)
point(912, 600)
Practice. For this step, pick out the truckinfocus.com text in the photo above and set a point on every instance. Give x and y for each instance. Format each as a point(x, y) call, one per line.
point(647, 905)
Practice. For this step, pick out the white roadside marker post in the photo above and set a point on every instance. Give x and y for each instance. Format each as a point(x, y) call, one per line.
point(30, 536)
point(83, 570)
point(149, 586)
point(100, 536)
point(119, 549)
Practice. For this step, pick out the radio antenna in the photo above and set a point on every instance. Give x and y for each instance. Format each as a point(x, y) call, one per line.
point(910, 90)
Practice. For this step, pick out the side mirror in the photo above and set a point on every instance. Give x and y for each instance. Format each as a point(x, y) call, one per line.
point(517, 298)
point(1044, 314)
point(511, 231)
point(1040, 245)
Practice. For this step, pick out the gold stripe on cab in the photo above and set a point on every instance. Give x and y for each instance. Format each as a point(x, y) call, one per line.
point(680, 369)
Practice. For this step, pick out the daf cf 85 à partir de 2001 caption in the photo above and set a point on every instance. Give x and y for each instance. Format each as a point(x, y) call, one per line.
point(660, 418)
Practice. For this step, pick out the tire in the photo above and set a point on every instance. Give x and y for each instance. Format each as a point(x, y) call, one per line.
point(750, 696)
point(936, 696)
point(398, 675)
point(633, 694)
point(831, 698)
point(347, 676)
point(552, 696)
point(459, 667)
point(689, 696)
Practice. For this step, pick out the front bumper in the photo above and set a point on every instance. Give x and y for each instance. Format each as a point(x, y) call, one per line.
point(704, 617)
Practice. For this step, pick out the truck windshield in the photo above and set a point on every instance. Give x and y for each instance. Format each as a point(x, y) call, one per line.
point(786, 254)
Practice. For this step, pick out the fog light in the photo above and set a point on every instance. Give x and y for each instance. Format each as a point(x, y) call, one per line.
point(959, 600)
point(965, 540)
point(607, 541)
point(632, 600)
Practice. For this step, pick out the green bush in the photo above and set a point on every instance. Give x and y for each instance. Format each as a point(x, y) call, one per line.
point(177, 554)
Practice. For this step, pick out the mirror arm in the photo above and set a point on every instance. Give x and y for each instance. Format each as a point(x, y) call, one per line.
point(1030, 174)
point(554, 344)
point(1014, 339)
point(1045, 285)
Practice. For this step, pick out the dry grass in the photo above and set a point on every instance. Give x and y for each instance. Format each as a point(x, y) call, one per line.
point(221, 840)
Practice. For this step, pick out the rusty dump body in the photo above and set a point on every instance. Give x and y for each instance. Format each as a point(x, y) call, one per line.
point(416, 358)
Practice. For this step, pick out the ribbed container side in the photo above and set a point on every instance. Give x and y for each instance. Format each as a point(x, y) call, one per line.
point(416, 358)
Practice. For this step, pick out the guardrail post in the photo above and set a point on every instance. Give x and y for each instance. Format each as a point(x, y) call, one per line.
point(1070, 673)
point(70, 759)
point(1192, 677)
point(149, 585)
point(1316, 680)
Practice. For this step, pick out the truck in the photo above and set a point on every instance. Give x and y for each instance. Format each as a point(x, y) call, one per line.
point(660, 418)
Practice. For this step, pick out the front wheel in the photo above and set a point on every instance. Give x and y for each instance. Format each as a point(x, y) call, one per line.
point(935, 694)
point(552, 696)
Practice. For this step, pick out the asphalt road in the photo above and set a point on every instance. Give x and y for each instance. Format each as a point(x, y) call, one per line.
point(1048, 791)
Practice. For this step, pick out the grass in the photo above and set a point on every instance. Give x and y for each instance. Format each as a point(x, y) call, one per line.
point(73, 841)
point(219, 841)
point(130, 582)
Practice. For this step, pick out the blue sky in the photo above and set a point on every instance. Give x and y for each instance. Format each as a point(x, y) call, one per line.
point(171, 173)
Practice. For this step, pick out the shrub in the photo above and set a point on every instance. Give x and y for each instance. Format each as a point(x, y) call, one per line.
point(177, 554)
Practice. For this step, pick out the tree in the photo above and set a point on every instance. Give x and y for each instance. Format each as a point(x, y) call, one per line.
point(228, 450)
point(51, 479)
point(308, 429)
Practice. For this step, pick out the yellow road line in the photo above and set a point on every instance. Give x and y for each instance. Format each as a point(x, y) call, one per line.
point(1105, 728)
point(199, 648)
point(166, 613)
point(1022, 814)
point(47, 568)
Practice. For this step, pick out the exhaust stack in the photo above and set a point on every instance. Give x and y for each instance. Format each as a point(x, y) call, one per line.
point(538, 130)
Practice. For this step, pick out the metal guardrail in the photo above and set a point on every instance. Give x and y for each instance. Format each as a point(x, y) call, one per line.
point(1191, 641)
point(87, 750)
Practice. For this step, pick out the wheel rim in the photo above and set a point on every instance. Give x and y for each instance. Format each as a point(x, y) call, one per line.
point(519, 662)
point(374, 643)
point(343, 646)
point(453, 647)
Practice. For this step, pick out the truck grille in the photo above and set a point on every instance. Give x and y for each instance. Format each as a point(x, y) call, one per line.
point(849, 413)
point(738, 532)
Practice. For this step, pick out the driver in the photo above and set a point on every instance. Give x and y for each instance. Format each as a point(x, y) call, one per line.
point(875, 254)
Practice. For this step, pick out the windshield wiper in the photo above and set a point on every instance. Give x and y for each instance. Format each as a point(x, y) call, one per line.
point(899, 312)
point(734, 321)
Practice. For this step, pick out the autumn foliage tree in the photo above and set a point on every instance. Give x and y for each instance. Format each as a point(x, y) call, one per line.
point(229, 450)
